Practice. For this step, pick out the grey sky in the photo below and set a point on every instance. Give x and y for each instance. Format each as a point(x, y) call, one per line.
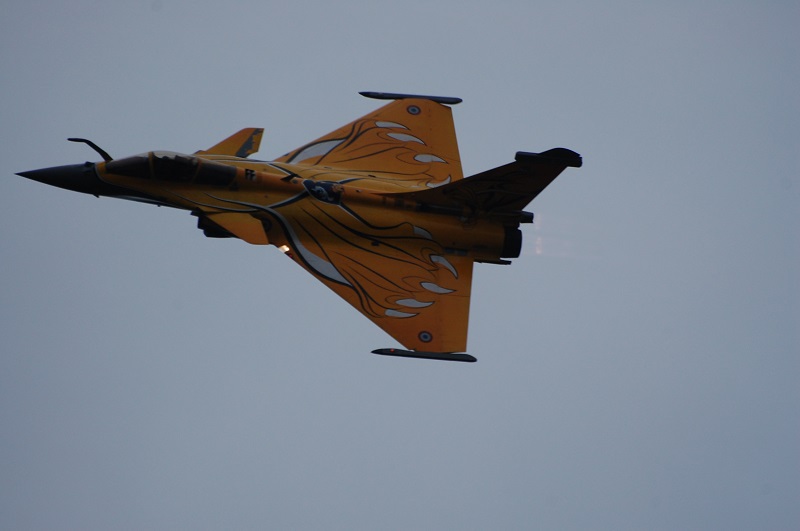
point(638, 365)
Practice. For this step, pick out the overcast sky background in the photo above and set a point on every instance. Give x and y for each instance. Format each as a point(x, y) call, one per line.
point(639, 372)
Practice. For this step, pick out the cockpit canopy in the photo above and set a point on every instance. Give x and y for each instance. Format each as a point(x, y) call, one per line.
point(173, 167)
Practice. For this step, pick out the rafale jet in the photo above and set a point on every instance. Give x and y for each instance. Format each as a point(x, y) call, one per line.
point(378, 210)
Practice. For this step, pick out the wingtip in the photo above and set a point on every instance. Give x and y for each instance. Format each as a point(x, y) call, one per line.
point(444, 356)
point(447, 100)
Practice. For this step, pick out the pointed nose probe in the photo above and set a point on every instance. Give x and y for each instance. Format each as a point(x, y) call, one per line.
point(76, 177)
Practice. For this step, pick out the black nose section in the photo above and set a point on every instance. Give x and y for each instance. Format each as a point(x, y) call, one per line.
point(77, 177)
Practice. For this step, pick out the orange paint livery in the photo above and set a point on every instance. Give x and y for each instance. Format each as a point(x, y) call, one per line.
point(377, 210)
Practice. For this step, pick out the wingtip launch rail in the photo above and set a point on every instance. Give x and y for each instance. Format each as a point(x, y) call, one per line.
point(444, 356)
point(446, 100)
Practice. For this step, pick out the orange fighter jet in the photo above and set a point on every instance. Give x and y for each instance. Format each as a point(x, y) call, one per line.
point(378, 210)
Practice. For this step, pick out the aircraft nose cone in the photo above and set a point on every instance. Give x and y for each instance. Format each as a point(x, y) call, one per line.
point(77, 177)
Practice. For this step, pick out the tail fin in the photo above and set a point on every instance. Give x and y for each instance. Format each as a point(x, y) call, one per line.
point(241, 144)
point(503, 190)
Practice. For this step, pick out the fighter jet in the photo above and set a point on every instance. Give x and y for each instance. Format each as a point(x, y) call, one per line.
point(377, 210)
